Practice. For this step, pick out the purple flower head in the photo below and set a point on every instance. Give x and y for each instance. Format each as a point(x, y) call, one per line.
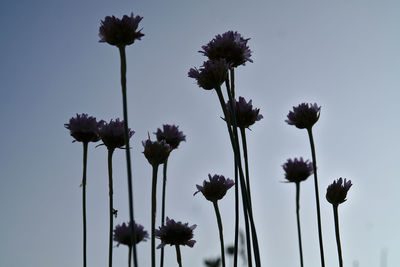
point(156, 152)
point(297, 170)
point(171, 135)
point(216, 188)
point(211, 75)
point(175, 233)
point(230, 46)
point(120, 32)
point(123, 234)
point(336, 192)
point(304, 116)
point(112, 133)
point(84, 128)
point(245, 114)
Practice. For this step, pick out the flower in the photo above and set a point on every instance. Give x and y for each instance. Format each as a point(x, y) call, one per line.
point(122, 234)
point(120, 32)
point(297, 170)
point(175, 233)
point(336, 192)
point(213, 262)
point(244, 112)
point(211, 75)
point(83, 128)
point(112, 133)
point(304, 116)
point(216, 188)
point(171, 135)
point(156, 152)
point(230, 46)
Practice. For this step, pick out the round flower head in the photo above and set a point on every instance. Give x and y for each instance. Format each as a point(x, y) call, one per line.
point(156, 152)
point(211, 75)
point(304, 116)
point(336, 192)
point(112, 133)
point(123, 234)
point(83, 128)
point(216, 188)
point(230, 46)
point(175, 233)
point(245, 114)
point(297, 170)
point(171, 135)
point(120, 32)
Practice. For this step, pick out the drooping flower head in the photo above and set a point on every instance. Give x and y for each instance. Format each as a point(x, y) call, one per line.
point(112, 133)
point(211, 75)
point(230, 46)
point(304, 116)
point(83, 128)
point(123, 234)
point(175, 233)
point(244, 112)
point(171, 135)
point(156, 152)
point(336, 192)
point(213, 262)
point(216, 188)
point(297, 170)
point(120, 32)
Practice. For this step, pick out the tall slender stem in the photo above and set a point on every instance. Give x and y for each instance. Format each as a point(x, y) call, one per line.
point(130, 256)
point(232, 72)
point(153, 215)
point(163, 207)
point(246, 161)
point(85, 149)
point(178, 255)
point(298, 221)
point(127, 150)
point(235, 249)
point(339, 247)
point(321, 246)
point(221, 234)
point(111, 208)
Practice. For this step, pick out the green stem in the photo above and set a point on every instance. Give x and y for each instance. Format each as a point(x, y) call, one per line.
point(339, 247)
point(232, 72)
point(127, 150)
point(321, 246)
point(298, 221)
point(178, 255)
point(235, 255)
point(85, 150)
point(221, 234)
point(153, 215)
point(130, 256)
point(163, 207)
point(110, 193)
point(246, 162)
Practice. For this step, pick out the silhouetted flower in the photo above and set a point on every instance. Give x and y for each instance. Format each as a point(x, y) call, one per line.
point(123, 234)
point(213, 262)
point(297, 170)
point(304, 116)
point(175, 233)
point(120, 32)
point(171, 135)
point(112, 133)
point(244, 112)
point(336, 192)
point(216, 188)
point(230, 46)
point(156, 152)
point(84, 128)
point(211, 75)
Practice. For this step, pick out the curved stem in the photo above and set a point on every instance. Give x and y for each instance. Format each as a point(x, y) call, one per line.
point(163, 207)
point(153, 215)
point(85, 150)
point(178, 255)
point(298, 221)
point(221, 234)
point(127, 150)
point(110, 193)
point(321, 246)
point(130, 256)
point(339, 247)
point(246, 161)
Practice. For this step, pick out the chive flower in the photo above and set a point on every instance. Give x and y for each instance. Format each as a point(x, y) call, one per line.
point(175, 234)
point(84, 128)
point(304, 116)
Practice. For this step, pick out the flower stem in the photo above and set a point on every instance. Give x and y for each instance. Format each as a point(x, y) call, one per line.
point(298, 221)
point(153, 215)
point(235, 255)
point(110, 186)
point(221, 234)
point(85, 150)
point(339, 247)
point(127, 150)
point(232, 72)
point(178, 255)
point(321, 246)
point(246, 162)
point(130, 256)
point(163, 206)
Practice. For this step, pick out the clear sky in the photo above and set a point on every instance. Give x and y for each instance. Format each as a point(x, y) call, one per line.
point(342, 54)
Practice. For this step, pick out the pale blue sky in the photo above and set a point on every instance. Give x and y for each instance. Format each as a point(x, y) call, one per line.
point(344, 55)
